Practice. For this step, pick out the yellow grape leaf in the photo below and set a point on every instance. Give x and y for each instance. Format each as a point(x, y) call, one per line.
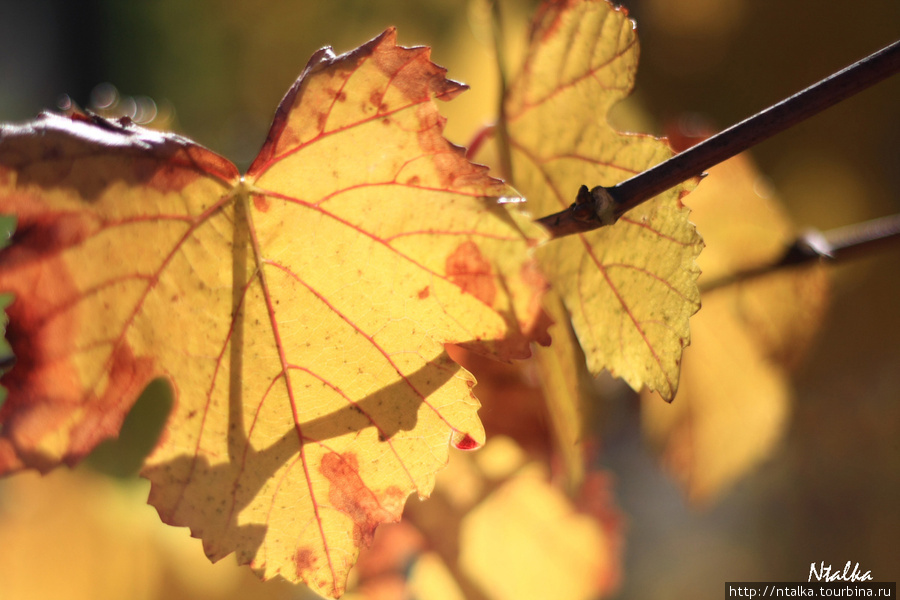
point(299, 312)
point(630, 287)
point(731, 409)
point(734, 401)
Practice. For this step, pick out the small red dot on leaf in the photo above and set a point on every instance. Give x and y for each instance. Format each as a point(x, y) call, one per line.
point(466, 442)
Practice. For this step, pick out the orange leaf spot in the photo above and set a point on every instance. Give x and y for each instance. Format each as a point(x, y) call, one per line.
point(424, 293)
point(467, 268)
point(261, 203)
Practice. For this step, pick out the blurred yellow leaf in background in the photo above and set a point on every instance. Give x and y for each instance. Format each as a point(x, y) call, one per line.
point(735, 399)
point(79, 535)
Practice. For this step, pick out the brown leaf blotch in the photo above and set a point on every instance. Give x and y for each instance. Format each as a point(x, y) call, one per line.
point(36, 338)
point(375, 99)
point(321, 120)
point(411, 70)
point(128, 376)
point(40, 235)
point(305, 562)
point(163, 176)
point(349, 494)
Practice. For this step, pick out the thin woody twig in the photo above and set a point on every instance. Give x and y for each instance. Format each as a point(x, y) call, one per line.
point(603, 206)
point(834, 245)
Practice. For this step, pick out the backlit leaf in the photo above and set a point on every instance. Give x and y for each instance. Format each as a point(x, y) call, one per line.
point(299, 312)
point(631, 287)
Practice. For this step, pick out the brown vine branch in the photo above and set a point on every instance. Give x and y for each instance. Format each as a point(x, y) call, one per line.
point(603, 206)
point(840, 244)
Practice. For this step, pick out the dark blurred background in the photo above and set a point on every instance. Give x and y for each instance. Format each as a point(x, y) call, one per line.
point(215, 70)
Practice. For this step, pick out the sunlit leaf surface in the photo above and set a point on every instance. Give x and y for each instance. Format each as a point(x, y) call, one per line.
point(299, 312)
